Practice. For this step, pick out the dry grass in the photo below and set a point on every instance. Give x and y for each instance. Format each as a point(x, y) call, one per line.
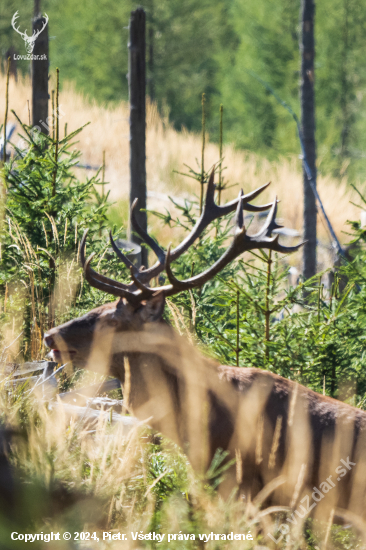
point(169, 150)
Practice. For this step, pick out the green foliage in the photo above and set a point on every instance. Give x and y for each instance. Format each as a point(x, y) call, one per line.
point(167, 472)
point(90, 48)
point(47, 210)
point(90, 45)
point(341, 537)
point(268, 45)
point(268, 35)
point(219, 465)
point(340, 81)
point(187, 37)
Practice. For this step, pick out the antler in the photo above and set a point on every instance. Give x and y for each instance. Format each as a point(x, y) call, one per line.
point(105, 283)
point(15, 17)
point(35, 34)
point(210, 213)
point(241, 242)
point(138, 290)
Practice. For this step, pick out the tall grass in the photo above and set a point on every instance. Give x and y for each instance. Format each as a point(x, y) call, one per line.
point(100, 478)
point(64, 297)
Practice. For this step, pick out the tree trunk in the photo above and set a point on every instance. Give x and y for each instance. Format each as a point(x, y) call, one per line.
point(345, 99)
point(151, 53)
point(40, 73)
point(307, 50)
point(37, 8)
point(137, 93)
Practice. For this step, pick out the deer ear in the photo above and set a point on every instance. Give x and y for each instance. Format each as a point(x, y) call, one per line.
point(154, 308)
point(123, 307)
point(121, 303)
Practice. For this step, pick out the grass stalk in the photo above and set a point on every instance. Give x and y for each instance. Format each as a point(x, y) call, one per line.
point(55, 128)
point(53, 113)
point(6, 107)
point(103, 174)
point(319, 294)
point(237, 350)
point(29, 114)
point(203, 150)
point(220, 154)
point(267, 311)
point(55, 134)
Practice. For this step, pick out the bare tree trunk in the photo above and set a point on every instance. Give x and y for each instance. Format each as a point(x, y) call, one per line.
point(137, 93)
point(345, 98)
point(151, 81)
point(37, 8)
point(307, 50)
point(40, 72)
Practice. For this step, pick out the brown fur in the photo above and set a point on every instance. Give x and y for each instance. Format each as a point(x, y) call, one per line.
point(273, 425)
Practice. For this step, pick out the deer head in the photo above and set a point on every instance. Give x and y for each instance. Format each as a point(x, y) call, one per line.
point(29, 40)
point(139, 304)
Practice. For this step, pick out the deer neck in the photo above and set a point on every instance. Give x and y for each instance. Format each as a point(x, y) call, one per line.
point(174, 391)
point(153, 392)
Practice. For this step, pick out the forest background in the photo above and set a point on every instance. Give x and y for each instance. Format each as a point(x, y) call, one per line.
point(215, 46)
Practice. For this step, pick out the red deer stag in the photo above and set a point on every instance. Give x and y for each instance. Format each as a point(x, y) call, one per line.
point(272, 425)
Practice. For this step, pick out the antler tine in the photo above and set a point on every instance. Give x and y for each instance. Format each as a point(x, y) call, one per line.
point(270, 224)
point(210, 191)
point(277, 247)
point(241, 243)
point(230, 206)
point(146, 291)
point(226, 258)
point(239, 216)
point(176, 285)
point(98, 277)
point(159, 252)
point(82, 247)
point(110, 289)
point(120, 255)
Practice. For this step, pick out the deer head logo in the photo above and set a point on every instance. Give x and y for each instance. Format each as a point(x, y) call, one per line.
point(29, 40)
